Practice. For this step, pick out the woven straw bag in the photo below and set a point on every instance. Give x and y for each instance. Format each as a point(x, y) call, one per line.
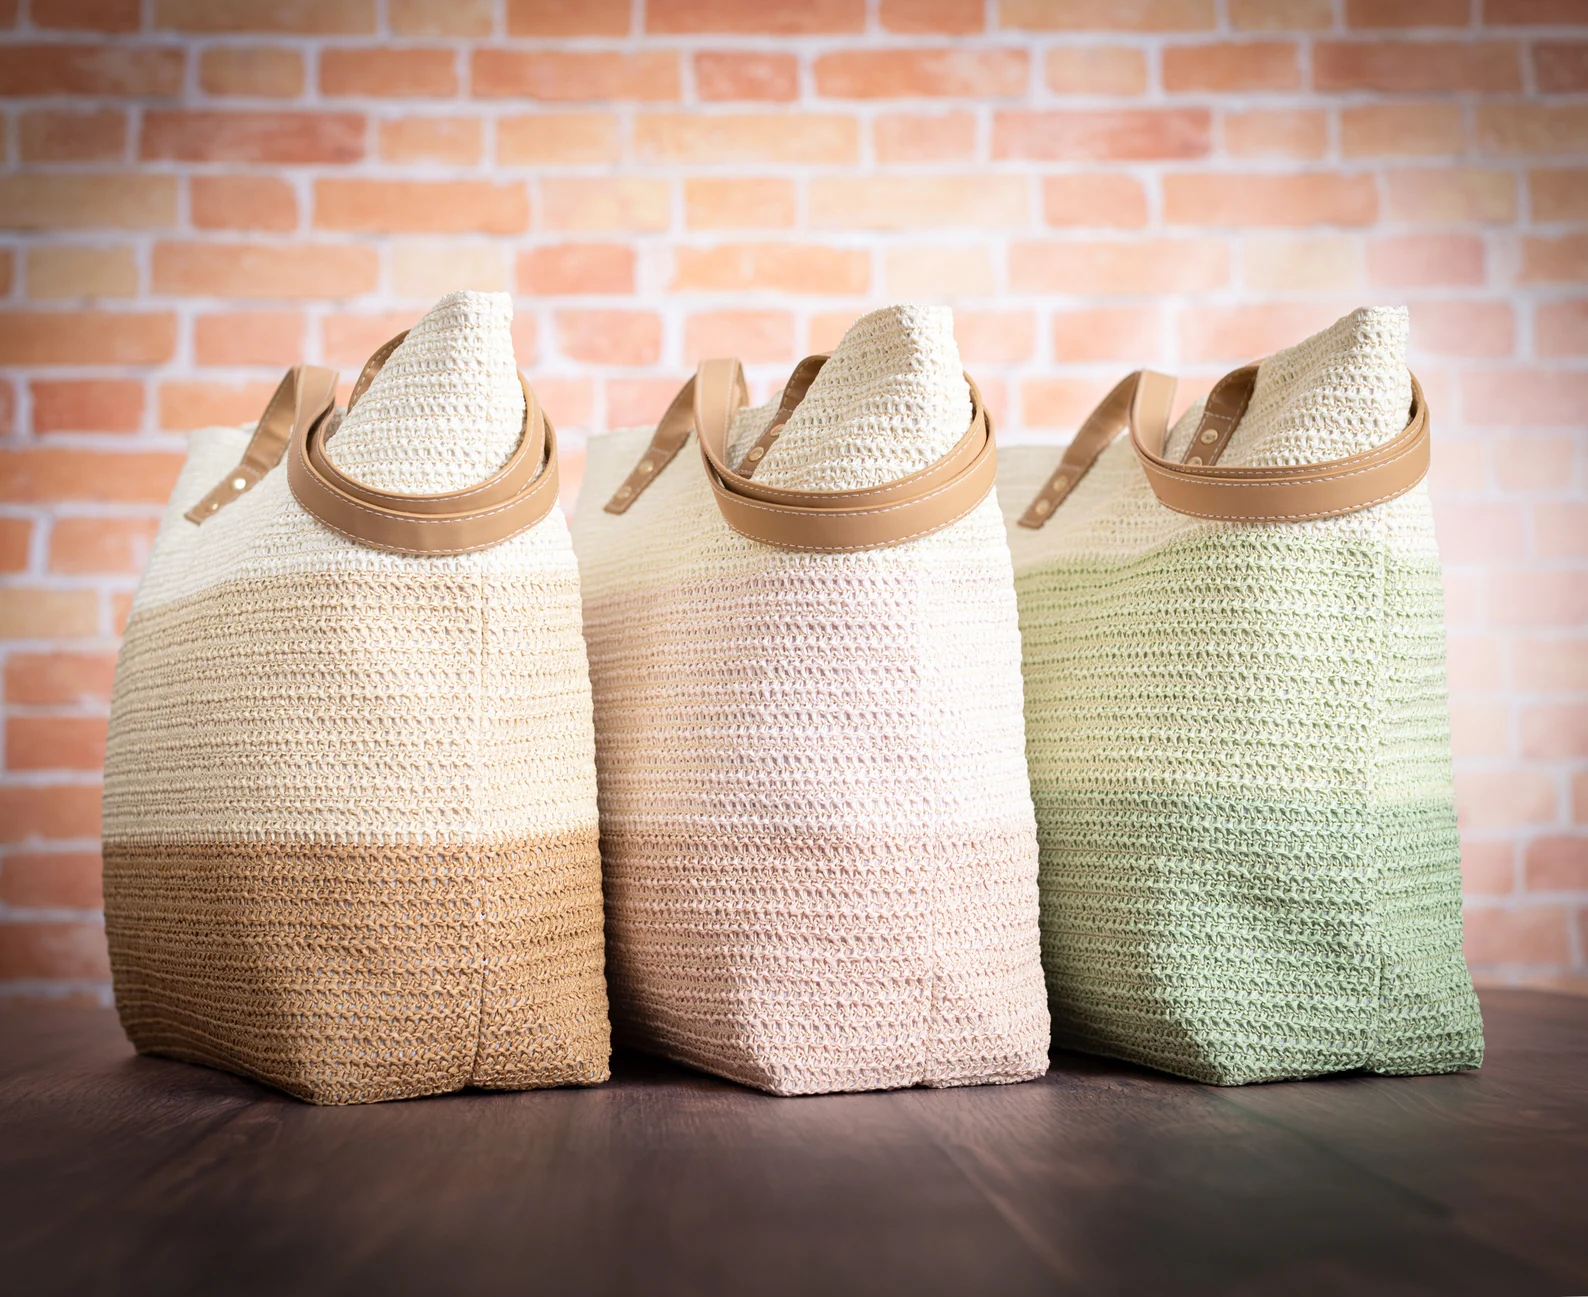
point(1237, 728)
point(816, 825)
point(350, 808)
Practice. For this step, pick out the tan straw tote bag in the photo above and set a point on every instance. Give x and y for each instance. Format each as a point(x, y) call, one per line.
point(816, 827)
point(350, 810)
point(1239, 742)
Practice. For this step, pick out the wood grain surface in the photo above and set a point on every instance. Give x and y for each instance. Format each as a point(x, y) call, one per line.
point(121, 1174)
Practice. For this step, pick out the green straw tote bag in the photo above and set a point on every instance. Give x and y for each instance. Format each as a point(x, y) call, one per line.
point(1233, 646)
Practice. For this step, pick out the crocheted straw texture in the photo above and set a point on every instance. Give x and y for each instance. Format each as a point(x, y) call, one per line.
point(1240, 752)
point(815, 819)
point(350, 809)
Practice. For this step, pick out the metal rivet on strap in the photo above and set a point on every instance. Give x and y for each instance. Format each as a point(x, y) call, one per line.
point(239, 483)
point(1042, 506)
point(1060, 483)
point(757, 453)
point(645, 466)
point(624, 492)
point(774, 432)
point(1210, 436)
point(1195, 459)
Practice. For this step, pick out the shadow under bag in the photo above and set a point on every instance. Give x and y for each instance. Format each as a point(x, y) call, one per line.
point(1237, 726)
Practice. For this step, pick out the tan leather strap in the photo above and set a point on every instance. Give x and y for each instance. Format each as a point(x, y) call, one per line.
point(304, 397)
point(838, 521)
point(1281, 493)
point(1143, 399)
point(794, 390)
point(510, 501)
point(671, 436)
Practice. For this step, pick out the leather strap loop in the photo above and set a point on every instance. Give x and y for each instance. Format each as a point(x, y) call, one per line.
point(1280, 493)
point(510, 501)
point(302, 399)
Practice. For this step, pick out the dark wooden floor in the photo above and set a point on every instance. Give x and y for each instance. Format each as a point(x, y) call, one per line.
point(128, 1175)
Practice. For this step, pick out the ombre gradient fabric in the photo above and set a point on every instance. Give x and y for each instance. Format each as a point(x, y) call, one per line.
point(350, 805)
point(1240, 754)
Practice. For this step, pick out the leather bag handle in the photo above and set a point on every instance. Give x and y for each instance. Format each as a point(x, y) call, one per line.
point(305, 396)
point(1199, 486)
point(818, 521)
point(512, 500)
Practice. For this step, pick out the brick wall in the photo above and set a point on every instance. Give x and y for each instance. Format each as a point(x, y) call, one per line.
point(194, 193)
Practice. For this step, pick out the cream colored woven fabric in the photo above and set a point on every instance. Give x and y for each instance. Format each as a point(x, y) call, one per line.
point(350, 811)
point(1240, 751)
point(816, 826)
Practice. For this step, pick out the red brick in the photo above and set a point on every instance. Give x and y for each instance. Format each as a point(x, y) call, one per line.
point(1560, 529)
point(752, 336)
point(59, 679)
point(1096, 70)
point(827, 329)
point(727, 75)
point(195, 136)
point(264, 271)
point(1476, 663)
point(1502, 799)
point(1534, 934)
point(1524, 12)
point(188, 404)
point(66, 880)
point(1557, 863)
point(249, 338)
point(785, 267)
point(38, 951)
point(30, 613)
point(712, 204)
point(995, 337)
point(1154, 266)
point(1237, 66)
point(120, 611)
point(938, 271)
point(920, 137)
point(443, 17)
point(1480, 531)
point(759, 137)
point(1122, 333)
point(1401, 130)
point(95, 546)
point(1561, 328)
point(16, 536)
point(1059, 402)
point(1417, 67)
point(1479, 728)
point(1532, 461)
point(348, 341)
point(87, 15)
point(568, 75)
point(639, 402)
point(1098, 201)
point(1559, 195)
point(258, 71)
point(1555, 260)
point(388, 73)
point(1463, 329)
point(442, 207)
point(70, 270)
point(1240, 333)
point(602, 203)
point(1553, 665)
point(1317, 198)
point(1561, 67)
point(73, 135)
point(949, 17)
point(1126, 133)
point(1407, 13)
point(1488, 868)
point(558, 18)
point(904, 202)
point(1280, 15)
point(1521, 128)
point(1524, 397)
point(1422, 260)
point(458, 141)
point(577, 268)
point(557, 138)
point(77, 201)
point(1540, 598)
point(87, 405)
point(55, 743)
point(922, 73)
point(568, 402)
point(1107, 15)
point(1276, 133)
point(1459, 467)
point(309, 17)
point(87, 337)
point(1555, 732)
point(610, 337)
point(134, 71)
point(242, 203)
point(776, 17)
point(1452, 195)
